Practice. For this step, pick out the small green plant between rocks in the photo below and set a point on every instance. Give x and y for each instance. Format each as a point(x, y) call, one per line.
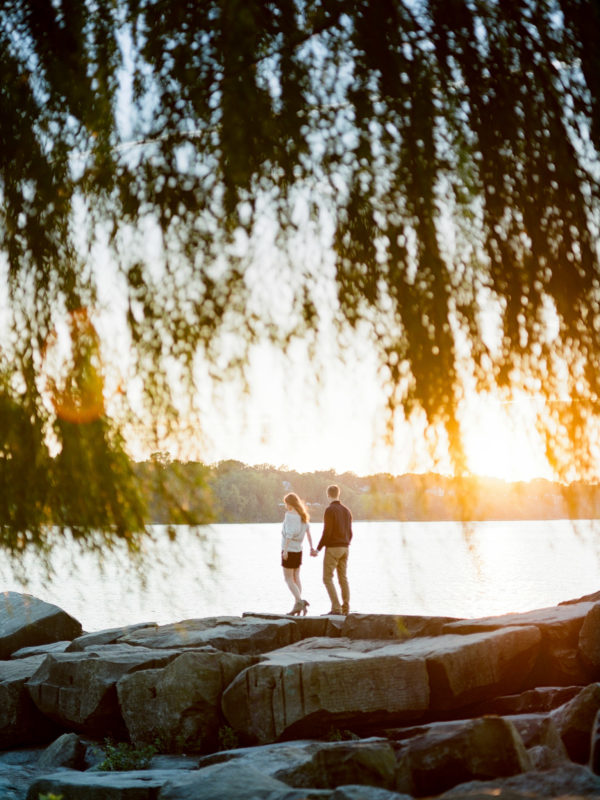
point(336, 735)
point(228, 738)
point(50, 796)
point(123, 756)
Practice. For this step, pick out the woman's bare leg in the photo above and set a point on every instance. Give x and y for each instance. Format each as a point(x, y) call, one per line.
point(288, 576)
point(297, 580)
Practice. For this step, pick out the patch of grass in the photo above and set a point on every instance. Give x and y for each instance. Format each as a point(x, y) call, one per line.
point(337, 735)
point(122, 756)
point(228, 738)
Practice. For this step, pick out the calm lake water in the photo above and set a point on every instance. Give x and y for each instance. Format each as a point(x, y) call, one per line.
point(432, 568)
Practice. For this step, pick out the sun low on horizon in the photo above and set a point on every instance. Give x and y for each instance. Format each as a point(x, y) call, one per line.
point(501, 440)
point(289, 418)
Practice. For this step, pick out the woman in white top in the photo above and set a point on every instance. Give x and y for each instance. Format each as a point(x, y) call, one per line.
point(295, 527)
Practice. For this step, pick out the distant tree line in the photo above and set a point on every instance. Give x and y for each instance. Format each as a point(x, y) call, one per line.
point(181, 492)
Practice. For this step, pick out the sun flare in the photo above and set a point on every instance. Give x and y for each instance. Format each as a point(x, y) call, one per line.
point(501, 441)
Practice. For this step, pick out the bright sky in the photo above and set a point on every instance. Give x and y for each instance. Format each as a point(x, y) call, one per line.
point(330, 413)
point(311, 417)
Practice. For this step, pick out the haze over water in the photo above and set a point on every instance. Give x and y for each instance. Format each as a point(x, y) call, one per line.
point(411, 568)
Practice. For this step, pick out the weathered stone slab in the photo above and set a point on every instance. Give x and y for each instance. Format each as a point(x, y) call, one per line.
point(106, 636)
point(309, 763)
point(319, 682)
point(531, 701)
point(308, 626)
point(575, 721)
point(231, 780)
point(41, 649)
point(78, 690)
point(20, 721)
point(243, 635)
point(559, 662)
point(26, 621)
point(392, 626)
point(357, 792)
point(73, 785)
point(449, 753)
point(66, 751)
point(568, 782)
point(297, 690)
point(589, 641)
point(180, 703)
point(472, 667)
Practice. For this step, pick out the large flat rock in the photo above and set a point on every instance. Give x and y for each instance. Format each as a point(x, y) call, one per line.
point(309, 763)
point(238, 781)
point(319, 682)
point(78, 690)
point(559, 662)
point(568, 782)
point(180, 704)
point(27, 621)
point(73, 785)
point(359, 683)
point(447, 754)
point(243, 635)
point(392, 626)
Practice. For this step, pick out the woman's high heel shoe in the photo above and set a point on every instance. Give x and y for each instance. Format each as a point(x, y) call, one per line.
point(305, 605)
point(298, 607)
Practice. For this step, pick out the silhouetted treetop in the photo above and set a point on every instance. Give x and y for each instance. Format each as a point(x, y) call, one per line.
point(445, 152)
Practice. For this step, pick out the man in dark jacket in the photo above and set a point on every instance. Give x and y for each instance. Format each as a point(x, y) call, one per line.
point(337, 533)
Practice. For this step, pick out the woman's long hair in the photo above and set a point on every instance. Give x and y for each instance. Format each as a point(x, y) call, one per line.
point(294, 501)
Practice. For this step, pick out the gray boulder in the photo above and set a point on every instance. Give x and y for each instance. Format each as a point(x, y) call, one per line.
point(541, 738)
point(392, 626)
point(575, 722)
point(453, 752)
point(353, 792)
point(321, 765)
point(106, 636)
point(303, 689)
point(27, 621)
point(589, 641)
point(299, 690)
point(569, 782)
point(66, 751)
point(72, 785)
point(219, 781)
point(41, 649)
point(78, 690)
point(244, 635)
point(20, 721)
point(180, 703)
point(559, 662)
point(531, 701)
point(473, 667)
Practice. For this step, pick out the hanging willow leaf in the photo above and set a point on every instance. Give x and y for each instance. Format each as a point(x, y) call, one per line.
point(451, 145)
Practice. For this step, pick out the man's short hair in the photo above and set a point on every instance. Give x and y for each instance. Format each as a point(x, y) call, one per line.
point(333, 491)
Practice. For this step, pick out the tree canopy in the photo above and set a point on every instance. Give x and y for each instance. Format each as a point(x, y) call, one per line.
point(152, 151)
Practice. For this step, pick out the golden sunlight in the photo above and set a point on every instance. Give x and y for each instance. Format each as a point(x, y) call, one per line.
point(501, 440)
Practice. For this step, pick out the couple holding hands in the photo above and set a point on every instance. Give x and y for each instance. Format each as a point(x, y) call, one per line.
point(337, 533)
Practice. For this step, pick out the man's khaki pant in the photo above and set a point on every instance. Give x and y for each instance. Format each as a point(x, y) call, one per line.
point(336, 558)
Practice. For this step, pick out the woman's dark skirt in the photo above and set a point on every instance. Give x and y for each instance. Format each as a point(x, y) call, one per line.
point(292, 561)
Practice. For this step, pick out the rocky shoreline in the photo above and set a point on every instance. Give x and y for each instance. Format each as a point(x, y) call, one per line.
point(363, 707)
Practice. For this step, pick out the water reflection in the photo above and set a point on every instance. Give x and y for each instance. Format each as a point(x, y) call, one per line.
point(435, 568)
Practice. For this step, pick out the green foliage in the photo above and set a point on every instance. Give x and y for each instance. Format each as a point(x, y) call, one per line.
point(227, 738)
point(446, 153)
point(339, 735)
point(50, 796)
point(123, 756)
